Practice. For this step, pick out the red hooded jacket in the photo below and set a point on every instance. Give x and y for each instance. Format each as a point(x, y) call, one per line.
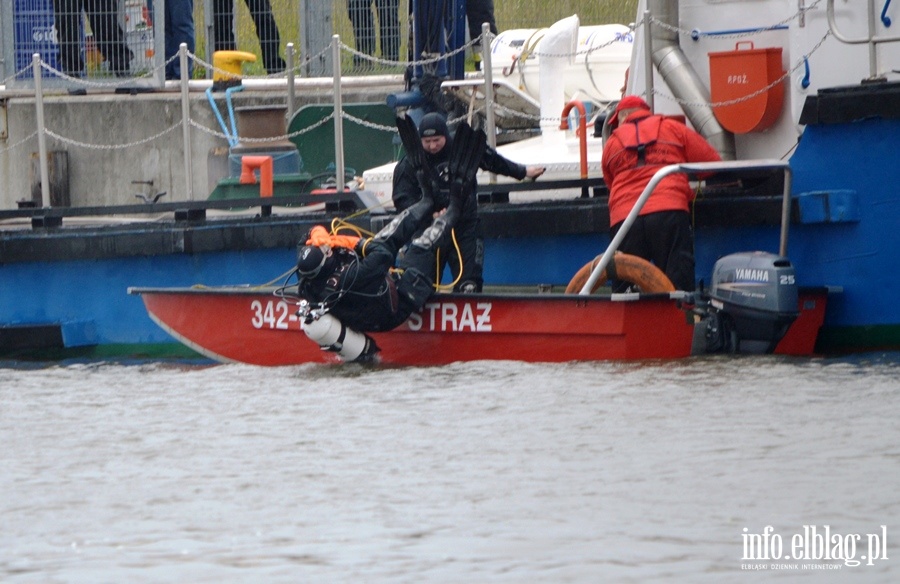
point(637, 149)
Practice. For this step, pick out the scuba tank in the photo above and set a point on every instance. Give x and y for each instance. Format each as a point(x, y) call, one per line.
point(332, 335)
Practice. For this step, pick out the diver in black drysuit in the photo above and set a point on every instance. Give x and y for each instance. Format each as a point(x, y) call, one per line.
point(357, 286)
point(351, 278)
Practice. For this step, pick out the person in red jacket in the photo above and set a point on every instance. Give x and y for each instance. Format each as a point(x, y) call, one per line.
point(640, 145)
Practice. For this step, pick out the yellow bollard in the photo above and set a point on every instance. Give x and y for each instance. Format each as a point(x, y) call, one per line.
point(227, 68)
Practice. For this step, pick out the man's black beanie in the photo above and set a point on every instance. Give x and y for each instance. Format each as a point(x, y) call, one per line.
point(433, 124)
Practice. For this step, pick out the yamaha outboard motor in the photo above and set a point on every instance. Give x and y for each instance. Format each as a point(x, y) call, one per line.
point(753, 302)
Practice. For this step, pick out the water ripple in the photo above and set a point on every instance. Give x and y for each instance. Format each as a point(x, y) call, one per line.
point(508, 472)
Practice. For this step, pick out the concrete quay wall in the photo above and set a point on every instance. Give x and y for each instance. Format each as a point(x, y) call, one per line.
point(109, 138)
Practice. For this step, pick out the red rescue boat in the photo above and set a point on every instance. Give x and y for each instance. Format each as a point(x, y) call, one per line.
point(753, 305)
point(254, 326)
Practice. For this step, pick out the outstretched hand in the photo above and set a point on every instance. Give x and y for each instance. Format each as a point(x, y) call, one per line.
point(533, 172)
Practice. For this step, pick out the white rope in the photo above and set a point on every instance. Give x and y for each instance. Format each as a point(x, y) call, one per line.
point(717, 104)
point(15, 75)
point(737, 35)
point(368, 124)
point(9, 147)
point(424, 61)
point(297, 68)
point(386, 128)
point(122, 81)
point(577, 53)
point(281, 138)
point(72, 142)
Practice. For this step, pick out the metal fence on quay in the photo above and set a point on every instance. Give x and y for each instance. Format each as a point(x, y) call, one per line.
point(100, 38)
point(136, 59)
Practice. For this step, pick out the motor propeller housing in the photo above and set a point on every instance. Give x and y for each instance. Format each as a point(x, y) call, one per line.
point(753, 300)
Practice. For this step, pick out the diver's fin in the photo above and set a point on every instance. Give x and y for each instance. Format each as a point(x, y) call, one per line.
point(412, 144)
point(466, 153)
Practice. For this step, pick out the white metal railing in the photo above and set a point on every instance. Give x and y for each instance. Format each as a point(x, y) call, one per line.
point(872, 40)
point(695, 168)
point(336, 48)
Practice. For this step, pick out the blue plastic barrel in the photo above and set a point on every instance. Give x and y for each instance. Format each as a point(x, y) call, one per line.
point(34, 32)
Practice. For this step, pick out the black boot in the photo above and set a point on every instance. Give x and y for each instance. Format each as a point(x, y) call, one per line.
point(435, 234)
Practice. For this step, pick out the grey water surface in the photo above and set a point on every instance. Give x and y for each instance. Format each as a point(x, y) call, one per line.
point(478, 472)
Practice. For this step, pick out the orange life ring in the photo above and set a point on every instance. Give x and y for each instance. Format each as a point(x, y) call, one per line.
point(647, 277)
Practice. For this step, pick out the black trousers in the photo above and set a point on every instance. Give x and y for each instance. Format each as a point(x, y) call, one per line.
point(412, 289)
point(108, 36)
point(466, 264)
point(360, 12)
point(665, 238)
point(477, 13)
point(266, 30)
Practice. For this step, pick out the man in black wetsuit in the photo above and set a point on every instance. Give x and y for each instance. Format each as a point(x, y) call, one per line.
point(407, 190)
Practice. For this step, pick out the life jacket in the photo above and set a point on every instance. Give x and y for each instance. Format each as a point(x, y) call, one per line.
point(638, 135)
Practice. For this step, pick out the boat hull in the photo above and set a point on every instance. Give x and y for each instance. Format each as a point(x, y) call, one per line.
point(256, 327)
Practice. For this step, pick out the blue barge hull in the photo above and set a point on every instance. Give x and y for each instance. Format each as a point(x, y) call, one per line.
point(65, 288)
